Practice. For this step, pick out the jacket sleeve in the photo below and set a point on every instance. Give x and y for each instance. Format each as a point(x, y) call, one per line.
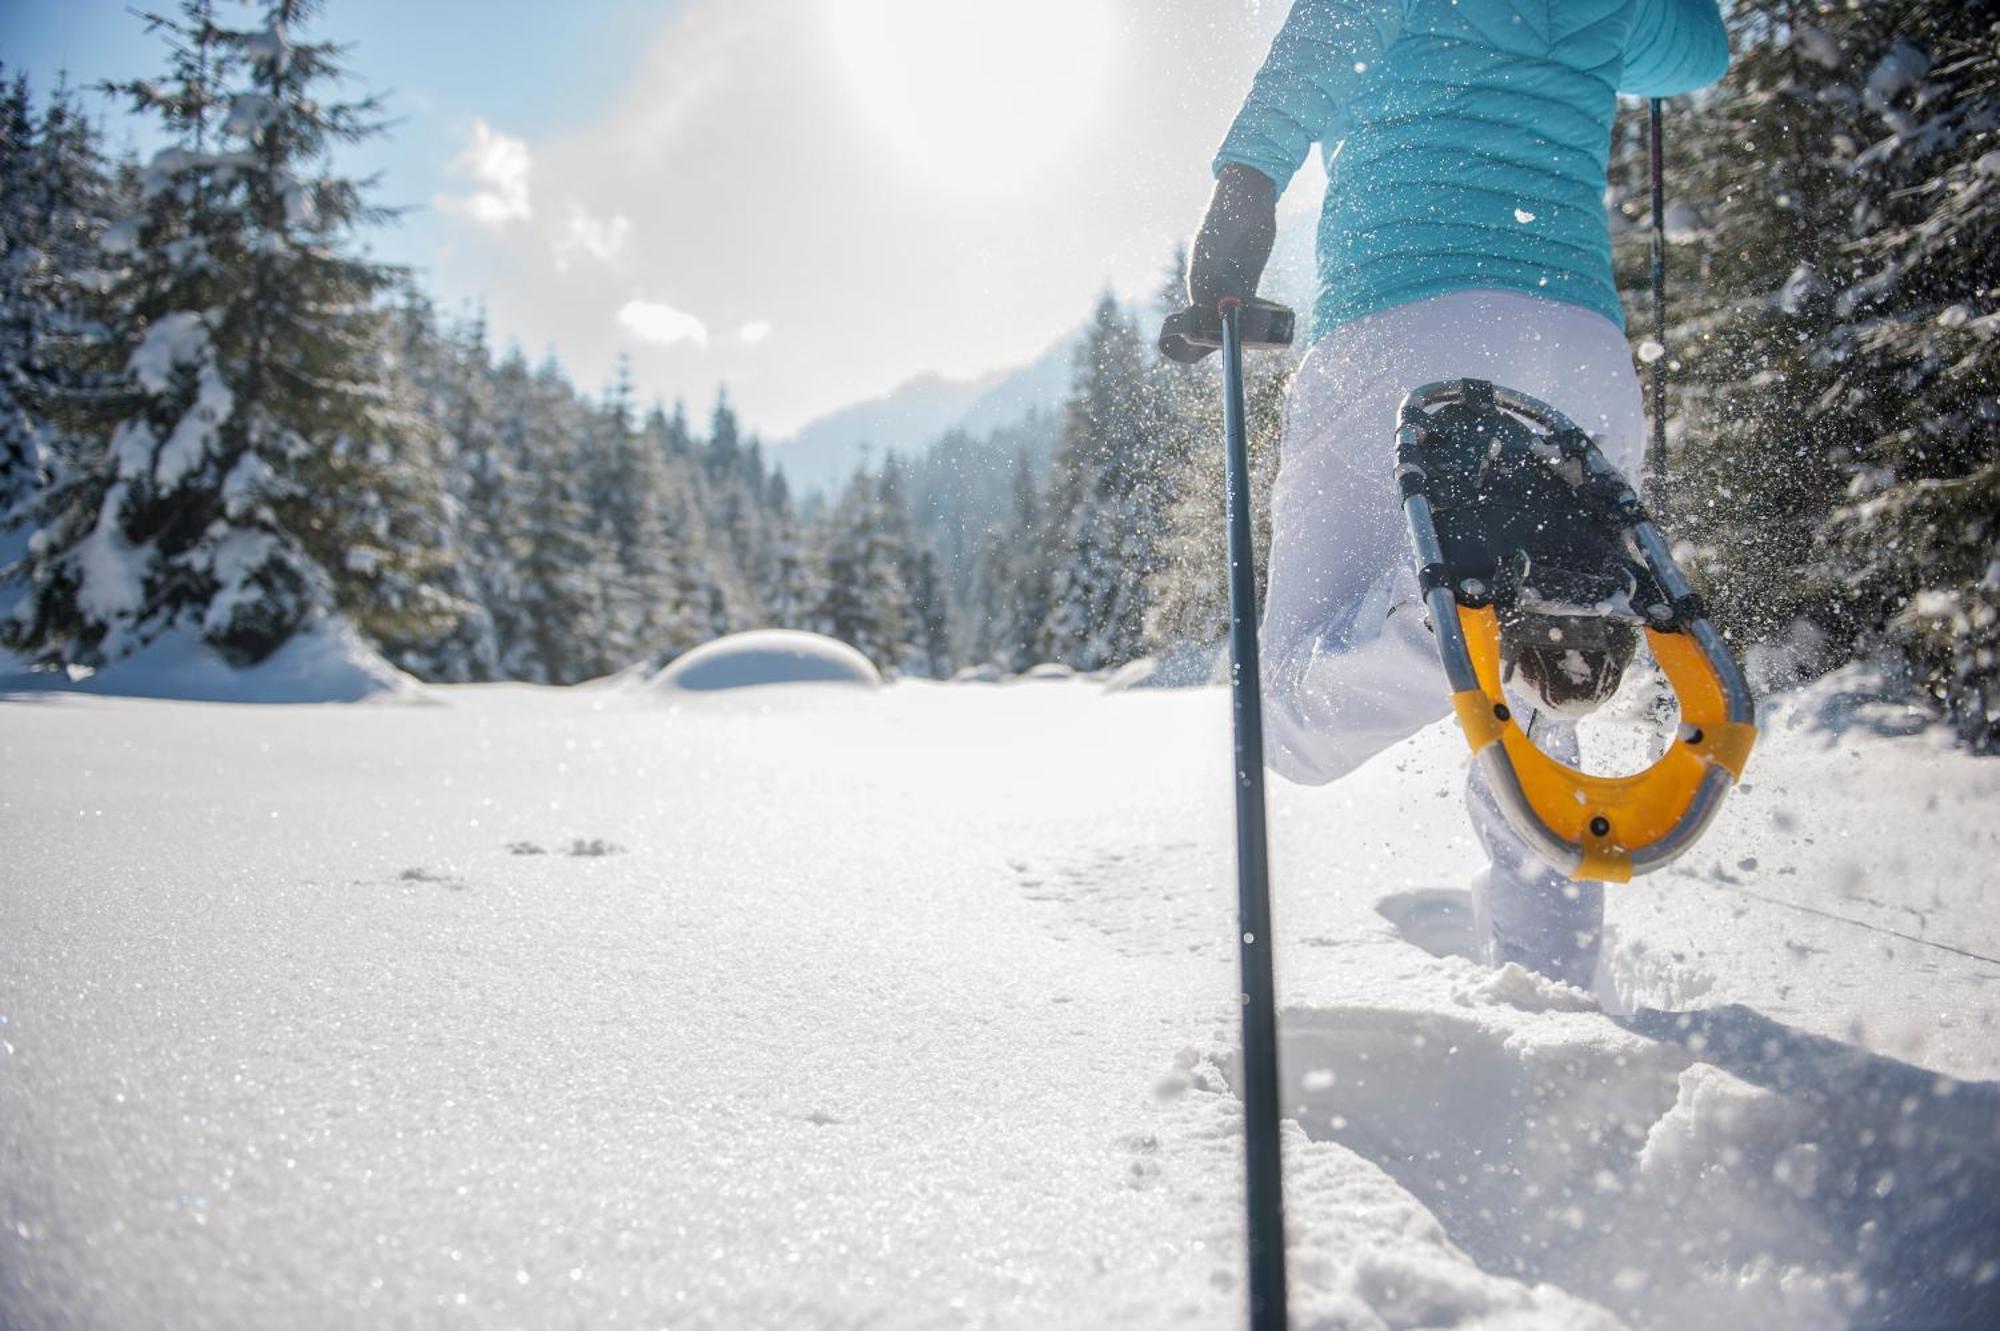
point(1316, 62)
point(1675, 46)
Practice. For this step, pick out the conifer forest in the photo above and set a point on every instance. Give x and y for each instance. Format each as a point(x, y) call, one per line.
point(217, 415)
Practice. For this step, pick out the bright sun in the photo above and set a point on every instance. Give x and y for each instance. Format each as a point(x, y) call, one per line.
point(979, 93)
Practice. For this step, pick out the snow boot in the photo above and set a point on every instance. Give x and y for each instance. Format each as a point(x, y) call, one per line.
point(1564, 665)
point(1540, 569)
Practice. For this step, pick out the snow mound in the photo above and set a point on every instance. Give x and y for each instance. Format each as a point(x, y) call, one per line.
point(638, 675)
point(327, 662)
point(1132, 675)
point(768, 656)
point(1515, 986)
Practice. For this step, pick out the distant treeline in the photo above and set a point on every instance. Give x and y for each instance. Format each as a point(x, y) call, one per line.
point(217, 417)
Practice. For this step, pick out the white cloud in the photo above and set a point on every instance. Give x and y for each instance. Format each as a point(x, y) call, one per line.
point(599, 237)
point(497, 165)
point(711, 193)
point(755, 331)
point(652, 321)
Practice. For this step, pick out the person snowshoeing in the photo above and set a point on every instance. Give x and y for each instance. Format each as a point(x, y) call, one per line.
point(1463, 235)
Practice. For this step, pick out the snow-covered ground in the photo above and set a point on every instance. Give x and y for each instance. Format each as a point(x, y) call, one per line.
point(810, 1006)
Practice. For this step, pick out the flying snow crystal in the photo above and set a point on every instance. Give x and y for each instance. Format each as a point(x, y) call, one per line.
point(1800, 288)
point(1683, 223)
point(1818, 46)
point(1896, 72)
point(1523, 216)
point(1650, 351)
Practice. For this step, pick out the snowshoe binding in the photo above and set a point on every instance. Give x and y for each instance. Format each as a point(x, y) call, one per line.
point(1541, 570)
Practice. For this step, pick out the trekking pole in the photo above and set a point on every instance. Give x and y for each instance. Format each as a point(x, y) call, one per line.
point(1656, 460)
point(1263, 1177)
point(1233, 325)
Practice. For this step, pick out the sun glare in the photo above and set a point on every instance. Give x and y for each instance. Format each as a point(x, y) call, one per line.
point(977, 93)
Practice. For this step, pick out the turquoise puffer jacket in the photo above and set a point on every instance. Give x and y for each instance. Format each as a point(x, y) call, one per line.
point(1465, 140)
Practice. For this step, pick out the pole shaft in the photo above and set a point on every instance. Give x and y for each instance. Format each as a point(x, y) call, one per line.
point(1263, 1176)
point(1656, 460)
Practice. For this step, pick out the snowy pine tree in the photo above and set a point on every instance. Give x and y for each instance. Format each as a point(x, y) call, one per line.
point(1009, 603)
point(482, 486)
point(1098, 587)
point(54, 203)
point(785, 582)
point(1760, 175)
point(930, 604)
point(865, 601)
point(553, 564)
point(256, 471)
point(686, 585)
point(1831, 420)
point(1915, 541)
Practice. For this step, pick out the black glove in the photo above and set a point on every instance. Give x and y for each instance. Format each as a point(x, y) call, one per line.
point(1230, 252)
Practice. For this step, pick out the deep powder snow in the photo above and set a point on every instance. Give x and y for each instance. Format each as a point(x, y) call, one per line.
point(800, 1006)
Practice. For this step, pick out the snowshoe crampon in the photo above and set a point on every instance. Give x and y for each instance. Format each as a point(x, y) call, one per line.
point(1534, 554)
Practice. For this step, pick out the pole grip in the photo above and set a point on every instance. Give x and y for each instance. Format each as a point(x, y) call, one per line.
point(1262, 325)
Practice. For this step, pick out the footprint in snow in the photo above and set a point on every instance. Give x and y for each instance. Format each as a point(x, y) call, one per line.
point(1706, 1168)
point(419, 874)
point(1438, 920)
point(580, 848)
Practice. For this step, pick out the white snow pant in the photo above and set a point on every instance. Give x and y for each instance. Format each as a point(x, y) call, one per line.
point(1349, 667)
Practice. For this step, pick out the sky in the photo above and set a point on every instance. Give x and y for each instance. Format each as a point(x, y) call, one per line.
point(806, 201)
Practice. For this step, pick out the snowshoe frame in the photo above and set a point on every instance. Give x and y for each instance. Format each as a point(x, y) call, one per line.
point(1585, 826)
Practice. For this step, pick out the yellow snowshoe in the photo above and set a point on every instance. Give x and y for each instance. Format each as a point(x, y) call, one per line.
point(1540, 567)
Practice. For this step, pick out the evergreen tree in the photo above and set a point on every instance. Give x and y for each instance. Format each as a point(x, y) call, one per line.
point(22, 315)
point(55, 200)
point(786, 584)
point(866, 603)
point(931, 605)
point(255, 470)
point(1097, 590)
point(1189, 603)
point(455, 376)
point(1762, 173)
point(1010, 604)
point(683, 585)
point(20, 449)
point(553, 598)
point(917, 567)
point(1830, 427)
point(1915, 540)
